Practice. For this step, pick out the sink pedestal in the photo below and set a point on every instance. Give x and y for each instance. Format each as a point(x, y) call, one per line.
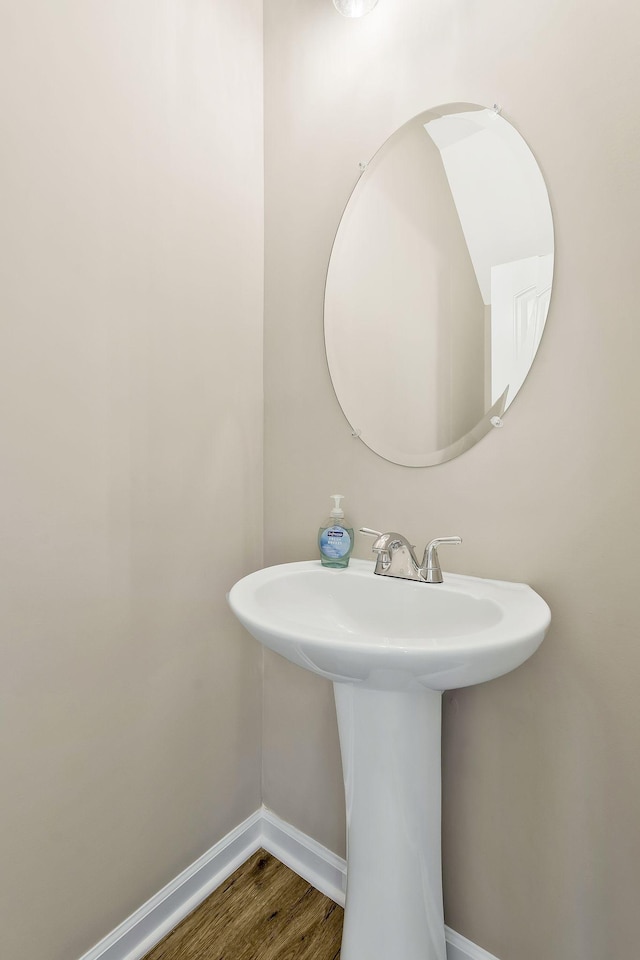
point(390, 745)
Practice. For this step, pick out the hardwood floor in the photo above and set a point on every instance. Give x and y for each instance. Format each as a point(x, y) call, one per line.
point(263, 911)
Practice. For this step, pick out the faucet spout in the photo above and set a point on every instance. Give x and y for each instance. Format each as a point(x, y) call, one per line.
point(396, 556)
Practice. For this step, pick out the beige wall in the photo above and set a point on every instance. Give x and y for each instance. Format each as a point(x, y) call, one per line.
point(130, 381)
point(541, 774)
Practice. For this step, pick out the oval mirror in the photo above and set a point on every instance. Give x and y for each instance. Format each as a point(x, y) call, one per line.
point(438, 284)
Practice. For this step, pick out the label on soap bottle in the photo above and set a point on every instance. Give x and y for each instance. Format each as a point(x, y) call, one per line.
point(335, 542)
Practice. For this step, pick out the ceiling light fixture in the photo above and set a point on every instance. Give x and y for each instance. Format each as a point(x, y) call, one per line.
point(354, 8)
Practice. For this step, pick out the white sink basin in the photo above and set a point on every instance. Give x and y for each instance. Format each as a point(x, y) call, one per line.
point(391, 647)
point(351, 625)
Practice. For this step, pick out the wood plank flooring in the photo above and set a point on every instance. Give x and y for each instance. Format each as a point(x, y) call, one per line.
point(263, 911)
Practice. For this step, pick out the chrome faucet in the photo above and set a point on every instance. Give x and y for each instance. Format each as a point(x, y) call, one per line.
point(397, 558)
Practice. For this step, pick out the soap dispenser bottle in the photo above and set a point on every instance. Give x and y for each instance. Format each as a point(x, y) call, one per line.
point(335, 537)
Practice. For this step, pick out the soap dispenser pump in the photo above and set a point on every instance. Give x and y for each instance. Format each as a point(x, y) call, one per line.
point(335, 537)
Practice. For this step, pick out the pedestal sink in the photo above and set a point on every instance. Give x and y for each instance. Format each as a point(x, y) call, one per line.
point(391, 647)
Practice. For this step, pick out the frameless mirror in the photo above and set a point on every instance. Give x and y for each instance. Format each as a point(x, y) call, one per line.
point(438, 284)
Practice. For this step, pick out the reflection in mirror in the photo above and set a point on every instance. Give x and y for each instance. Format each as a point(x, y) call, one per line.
point(438, 285)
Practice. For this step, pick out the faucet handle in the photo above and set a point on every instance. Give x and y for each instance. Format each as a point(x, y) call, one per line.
point(384, 558)
point(431, 569)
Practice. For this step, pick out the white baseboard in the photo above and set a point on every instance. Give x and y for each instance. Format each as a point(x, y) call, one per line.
point(323, 869)
point(459, 948)
point(263, 829)
point(159, 915)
